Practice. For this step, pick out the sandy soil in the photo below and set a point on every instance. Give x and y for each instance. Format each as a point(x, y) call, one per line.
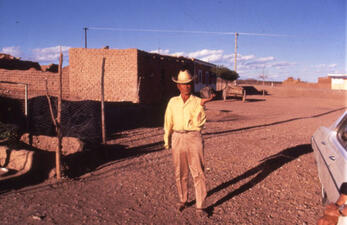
point(259, 167)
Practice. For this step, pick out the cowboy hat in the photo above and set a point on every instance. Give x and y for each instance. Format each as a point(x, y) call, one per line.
point(183, 77)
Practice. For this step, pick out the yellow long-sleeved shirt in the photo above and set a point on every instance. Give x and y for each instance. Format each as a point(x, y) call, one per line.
point(183, 116)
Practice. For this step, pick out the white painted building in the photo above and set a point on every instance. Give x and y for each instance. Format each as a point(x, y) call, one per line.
point(338, 81)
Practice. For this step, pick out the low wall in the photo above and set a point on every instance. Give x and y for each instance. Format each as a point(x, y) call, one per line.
point(294, 91)
point(35, 79)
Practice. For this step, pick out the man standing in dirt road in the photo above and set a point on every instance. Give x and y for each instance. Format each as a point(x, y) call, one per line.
point(184, 119)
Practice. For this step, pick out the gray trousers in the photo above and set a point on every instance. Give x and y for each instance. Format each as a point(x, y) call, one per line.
point(188, 154)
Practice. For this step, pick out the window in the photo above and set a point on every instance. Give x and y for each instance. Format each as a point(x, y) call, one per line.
point(196, 78)
point(206, 78)
point(342, 134)
point(162, 76)
point(200, 76)
point(213, 79)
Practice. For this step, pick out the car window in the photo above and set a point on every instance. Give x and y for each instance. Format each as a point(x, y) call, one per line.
point(342, 134)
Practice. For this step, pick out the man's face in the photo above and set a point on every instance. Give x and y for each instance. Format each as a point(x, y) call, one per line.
point(185, 89)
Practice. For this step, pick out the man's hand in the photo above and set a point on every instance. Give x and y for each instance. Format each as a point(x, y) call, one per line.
point(331, 215)
point(204, 100)
point(328, 220)
point(331, 210)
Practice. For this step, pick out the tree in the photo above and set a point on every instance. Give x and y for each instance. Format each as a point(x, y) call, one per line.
point(225, 73)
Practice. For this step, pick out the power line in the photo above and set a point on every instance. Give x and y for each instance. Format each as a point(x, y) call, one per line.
point(185, 31)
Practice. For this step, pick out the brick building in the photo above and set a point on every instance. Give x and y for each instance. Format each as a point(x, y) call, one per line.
point(131, 75)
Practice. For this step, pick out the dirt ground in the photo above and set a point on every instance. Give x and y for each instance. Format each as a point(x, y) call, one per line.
point(259, 168)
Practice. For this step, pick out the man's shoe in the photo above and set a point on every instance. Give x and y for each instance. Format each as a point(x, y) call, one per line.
point(181, 206)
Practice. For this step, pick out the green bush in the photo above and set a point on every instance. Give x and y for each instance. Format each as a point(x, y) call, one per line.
point(225, 73)
point(9, 132)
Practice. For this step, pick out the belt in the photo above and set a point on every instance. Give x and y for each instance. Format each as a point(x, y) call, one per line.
point(185, 131)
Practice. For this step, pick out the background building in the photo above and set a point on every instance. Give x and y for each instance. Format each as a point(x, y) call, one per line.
point(338, 81)
point(132, 75)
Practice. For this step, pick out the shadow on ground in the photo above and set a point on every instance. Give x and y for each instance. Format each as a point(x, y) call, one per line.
point(261, 171)
point(87, 161)
point(81, 119)
point(43, 162)
point(74, 165)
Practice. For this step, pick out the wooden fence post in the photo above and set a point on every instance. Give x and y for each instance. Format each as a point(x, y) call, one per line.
point(103, 128)
point(57, 121)
point(59, 133)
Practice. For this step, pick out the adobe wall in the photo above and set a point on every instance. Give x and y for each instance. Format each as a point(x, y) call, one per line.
point(35, 79)
point(306, 85)
point(155, 73)
point(13, 63)
point(324, 82)
point(120, 74)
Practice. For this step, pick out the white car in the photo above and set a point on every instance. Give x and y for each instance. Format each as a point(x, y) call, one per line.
point(330, 150)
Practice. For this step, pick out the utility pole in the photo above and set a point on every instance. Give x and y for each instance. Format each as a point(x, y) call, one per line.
point(235, 58)
point(235, 65)
point(263, 78)
point(263, 82)
point(85, 36)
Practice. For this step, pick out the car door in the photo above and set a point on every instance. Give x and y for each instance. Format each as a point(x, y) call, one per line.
point(335, 156)
point(322, 152)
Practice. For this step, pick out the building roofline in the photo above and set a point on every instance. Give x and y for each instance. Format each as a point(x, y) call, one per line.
point(203, 62)
point(181, 57)
point(337, 75)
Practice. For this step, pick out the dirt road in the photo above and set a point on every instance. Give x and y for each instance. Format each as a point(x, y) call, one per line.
point(259, 167)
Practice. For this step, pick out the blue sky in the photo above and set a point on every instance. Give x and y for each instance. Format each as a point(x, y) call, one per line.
point(303, 39)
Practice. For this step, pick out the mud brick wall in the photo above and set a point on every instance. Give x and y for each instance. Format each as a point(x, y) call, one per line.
point(155, 76)
point(36, 81)
point(156, 72)
point(120, 74)
point(324, 82)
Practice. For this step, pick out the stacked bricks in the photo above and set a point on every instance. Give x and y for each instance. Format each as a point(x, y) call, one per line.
point(120, 74)
point(36, 81)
